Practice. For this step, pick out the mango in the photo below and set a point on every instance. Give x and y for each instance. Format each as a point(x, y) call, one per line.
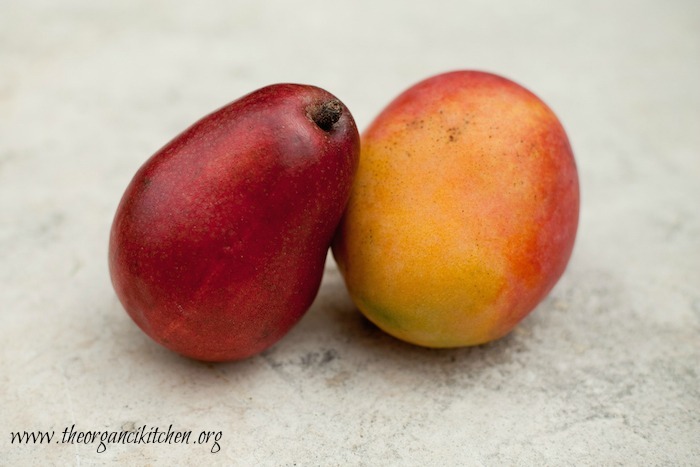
point(219, 242)
point(463, 213)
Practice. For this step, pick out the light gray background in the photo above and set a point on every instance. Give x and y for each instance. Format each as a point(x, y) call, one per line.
point(604, 372)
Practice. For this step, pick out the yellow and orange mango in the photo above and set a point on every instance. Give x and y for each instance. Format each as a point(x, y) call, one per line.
point(463, 213)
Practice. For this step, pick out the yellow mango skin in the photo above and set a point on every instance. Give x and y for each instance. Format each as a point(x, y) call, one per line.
point(463, 213)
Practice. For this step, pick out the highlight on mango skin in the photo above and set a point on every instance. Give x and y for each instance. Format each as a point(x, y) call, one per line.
point(463, 212)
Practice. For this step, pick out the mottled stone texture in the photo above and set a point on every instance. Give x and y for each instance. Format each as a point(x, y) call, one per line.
point(606, 371)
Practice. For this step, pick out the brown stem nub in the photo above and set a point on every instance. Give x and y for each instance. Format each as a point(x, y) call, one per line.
point(325, 114)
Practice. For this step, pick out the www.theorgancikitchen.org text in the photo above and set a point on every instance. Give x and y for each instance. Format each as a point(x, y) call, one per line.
point(139, 435)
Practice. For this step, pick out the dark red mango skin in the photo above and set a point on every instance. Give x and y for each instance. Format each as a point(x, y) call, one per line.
point(218, 245)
